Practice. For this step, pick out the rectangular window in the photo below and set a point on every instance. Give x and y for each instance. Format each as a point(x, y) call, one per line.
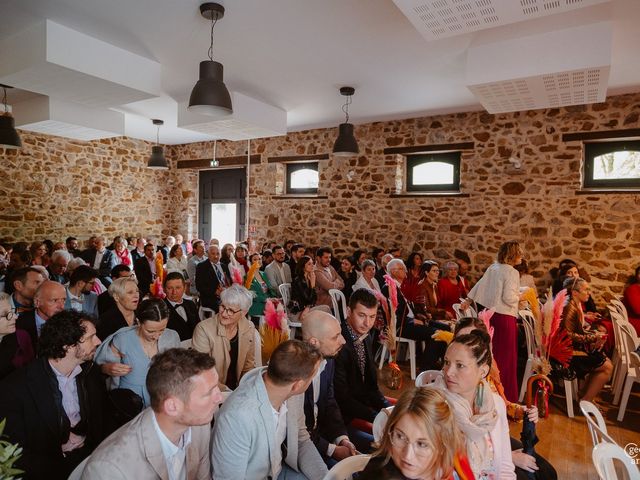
point(612, 165)
point(302, 177)
point(433, 172)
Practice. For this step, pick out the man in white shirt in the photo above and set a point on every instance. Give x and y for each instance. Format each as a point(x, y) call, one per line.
point(260, 431)
point(197, 257)
point(278, 271)
point(170, 439)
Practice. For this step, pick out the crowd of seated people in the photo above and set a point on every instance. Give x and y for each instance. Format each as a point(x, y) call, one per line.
point(90, 360)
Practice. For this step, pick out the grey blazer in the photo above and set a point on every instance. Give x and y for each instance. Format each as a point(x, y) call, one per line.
point(134, 452)
point(243, 444)
point(274, 278)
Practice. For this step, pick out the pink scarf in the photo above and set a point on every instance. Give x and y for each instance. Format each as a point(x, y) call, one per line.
point(124, 257)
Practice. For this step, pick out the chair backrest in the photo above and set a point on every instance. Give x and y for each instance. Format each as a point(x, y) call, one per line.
point(204, 312)
point(285, 293)
point(595, 422)
point(427, 377)
point(618, 305)
point(617, 335)
point(629, 340)
point(379, 422)
point(530, 336)
point(77, 472)
point(469, 312)
point(339, 302)
point(258, 349)
point(603, 456)
point(344, 469)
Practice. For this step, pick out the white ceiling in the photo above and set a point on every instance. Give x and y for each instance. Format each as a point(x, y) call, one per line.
point(295, 54)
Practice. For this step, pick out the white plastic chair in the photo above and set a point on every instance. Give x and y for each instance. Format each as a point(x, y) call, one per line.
point(571, 394)
point(339, 303)
point(596, 423)
point(344, 469)
point(603, 456)
point(379, 422)
point(427, 377)
point(469, 312)
point(258, 349)
point(531, 352)
point(619, 306)
point(620, 358)
point(411, 344)
point(203, 311)
point(285, 292)
point(77, 472)
point(633, 366)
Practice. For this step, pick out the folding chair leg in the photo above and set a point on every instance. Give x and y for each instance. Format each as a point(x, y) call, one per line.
point(568, 392)
point(383, 356)
point(527, 373)
point(619, 383)
point(412, 359)
point(625, 397)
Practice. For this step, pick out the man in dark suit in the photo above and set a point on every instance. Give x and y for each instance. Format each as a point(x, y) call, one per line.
point(105, 300)
point(100, 259)
point(356, 379)
point(53, 406)
point(48, 300)
point(183, 313)
point(322, 414)
point(211, 278)
point(297, 252)
point(145, 269)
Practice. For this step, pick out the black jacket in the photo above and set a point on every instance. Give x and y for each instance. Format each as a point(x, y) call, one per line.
point(357, 397)
point(329, 424)
point(107, 263)
point(32, 405)
point(207, 283)
point(177, 323)
point(109, 322)
point(302, 295)
point(27, 322)
point(144, 275)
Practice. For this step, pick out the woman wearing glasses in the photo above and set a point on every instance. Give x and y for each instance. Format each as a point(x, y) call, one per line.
point(15, 344)
point(229, 337)
point(420, 440)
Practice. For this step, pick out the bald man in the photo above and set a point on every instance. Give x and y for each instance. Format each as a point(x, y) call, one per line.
point(322, 414)
point(48, 300)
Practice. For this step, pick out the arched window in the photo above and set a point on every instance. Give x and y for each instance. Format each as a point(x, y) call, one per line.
point(302, 177)
point(434, 172)
point(612, 165)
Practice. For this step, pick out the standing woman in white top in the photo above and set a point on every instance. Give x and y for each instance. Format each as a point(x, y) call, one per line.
point(498, 289)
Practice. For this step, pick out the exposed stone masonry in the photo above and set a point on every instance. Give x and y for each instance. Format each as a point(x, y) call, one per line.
point(54, 187)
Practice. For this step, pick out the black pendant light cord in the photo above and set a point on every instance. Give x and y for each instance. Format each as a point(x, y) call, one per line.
point(158, 135)
point(345, 108)
point(214, 20)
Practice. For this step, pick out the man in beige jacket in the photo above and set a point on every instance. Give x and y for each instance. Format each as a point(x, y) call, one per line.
point(170, 439)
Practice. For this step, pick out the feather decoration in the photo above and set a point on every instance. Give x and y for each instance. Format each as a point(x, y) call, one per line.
point(547, 317)
point(250, 274)
point(530, 296)
point(485, 315)
point(156, 289)
point(393, 291)
point(236, 276)
point(159, 266)
point(560, 348)
point(274, 330)
point(383, 302)
point(558, 305)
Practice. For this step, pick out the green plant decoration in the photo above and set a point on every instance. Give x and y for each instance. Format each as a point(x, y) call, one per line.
point(9, 454)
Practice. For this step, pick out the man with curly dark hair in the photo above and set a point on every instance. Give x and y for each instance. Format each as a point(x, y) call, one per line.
point(54, 405)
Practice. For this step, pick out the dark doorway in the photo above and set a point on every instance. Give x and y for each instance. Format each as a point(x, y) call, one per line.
point(222, 205)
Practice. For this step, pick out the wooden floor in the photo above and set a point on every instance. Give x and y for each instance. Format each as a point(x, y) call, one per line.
point(565, 441)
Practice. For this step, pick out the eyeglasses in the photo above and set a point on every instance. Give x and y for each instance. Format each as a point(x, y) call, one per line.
point(400, 440)
point(10, 315)
point(227, 310)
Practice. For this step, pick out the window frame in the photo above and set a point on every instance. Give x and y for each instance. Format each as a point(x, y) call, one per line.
point(451, 157)
point(292, 167)
point(595, 149)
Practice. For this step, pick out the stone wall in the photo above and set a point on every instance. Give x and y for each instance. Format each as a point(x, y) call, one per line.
point(54, 187)
point(537, 204)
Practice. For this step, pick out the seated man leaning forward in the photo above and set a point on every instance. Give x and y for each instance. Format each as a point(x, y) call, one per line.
point(170, 439)
point(260, 431)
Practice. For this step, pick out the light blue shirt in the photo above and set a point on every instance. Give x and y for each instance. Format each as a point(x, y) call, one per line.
point(39, 322)
point(175, 456)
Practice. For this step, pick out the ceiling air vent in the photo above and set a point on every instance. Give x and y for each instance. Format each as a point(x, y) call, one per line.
point(436, 19)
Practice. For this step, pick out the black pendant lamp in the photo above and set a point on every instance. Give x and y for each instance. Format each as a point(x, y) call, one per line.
point(346, 144)
point(210, 95)
point(9, 137)
point(157, 160)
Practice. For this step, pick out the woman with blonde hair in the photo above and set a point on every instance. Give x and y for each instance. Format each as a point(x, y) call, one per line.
point(499, 290)
point(420, 440)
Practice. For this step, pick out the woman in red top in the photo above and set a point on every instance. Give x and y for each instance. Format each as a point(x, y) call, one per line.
point(450, 288)
point(410, 286)
point(631, 300)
